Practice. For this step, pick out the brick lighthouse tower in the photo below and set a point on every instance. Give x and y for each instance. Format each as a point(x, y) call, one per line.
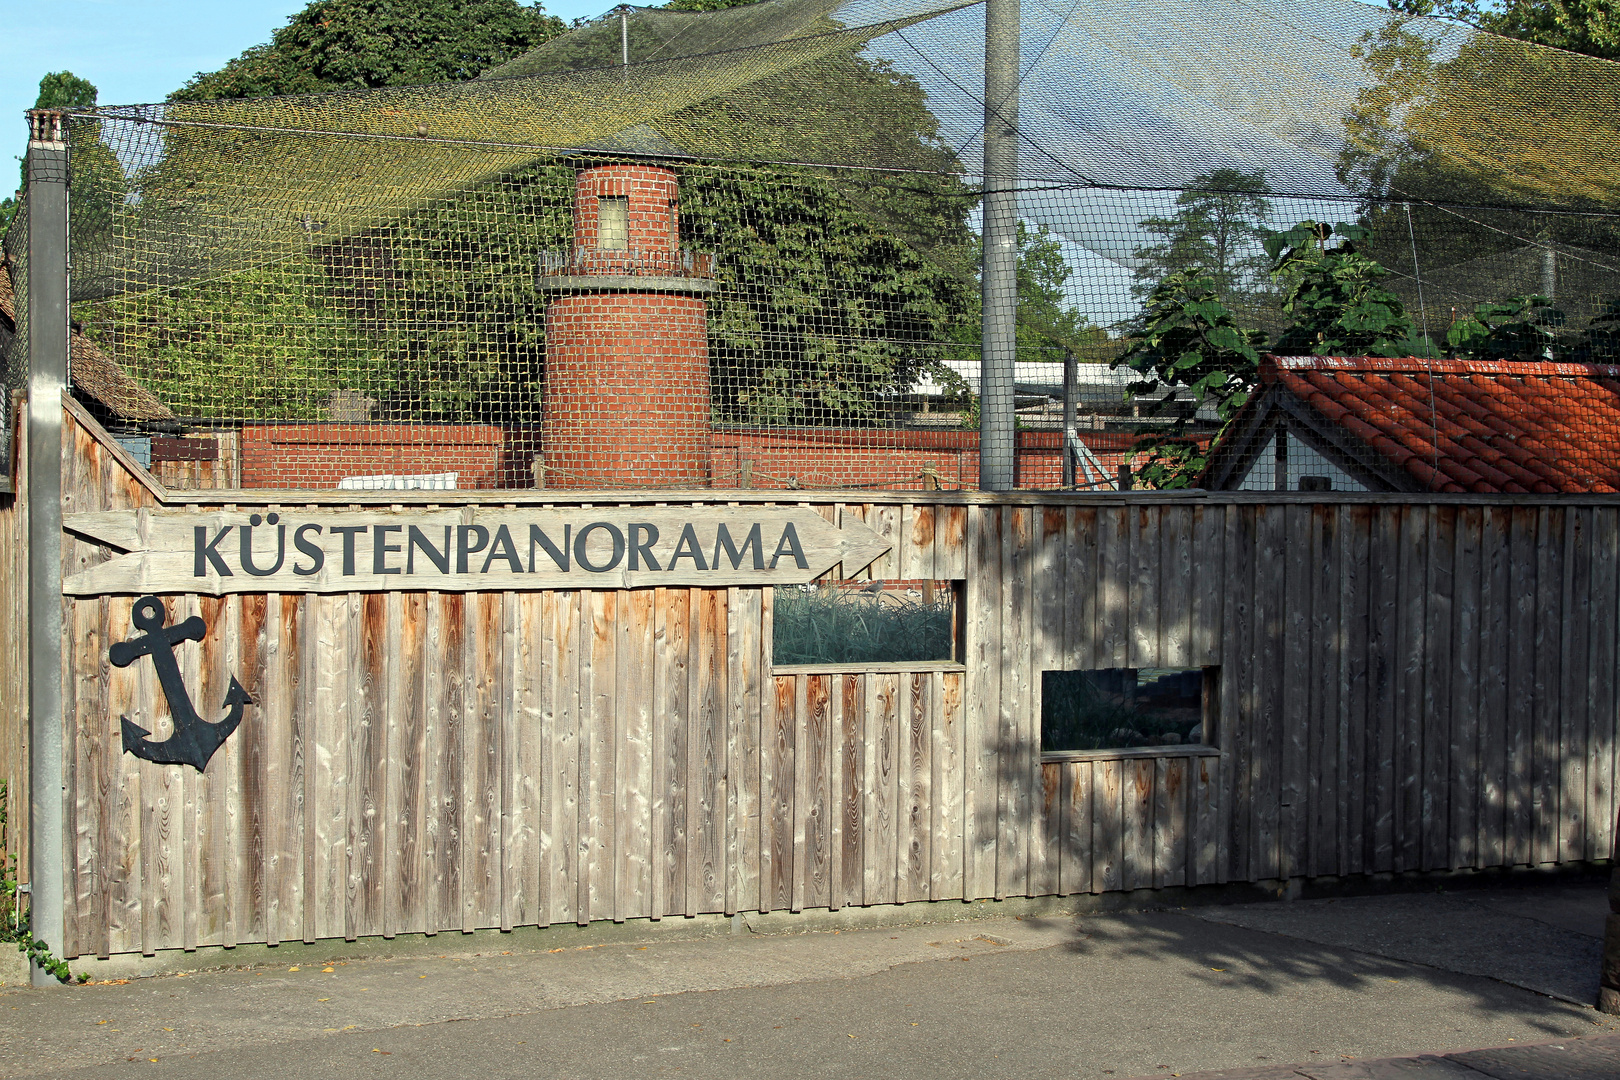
point(627, 343)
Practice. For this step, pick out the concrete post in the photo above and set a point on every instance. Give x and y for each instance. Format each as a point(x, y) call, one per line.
point(999, 275)
point(47, 379)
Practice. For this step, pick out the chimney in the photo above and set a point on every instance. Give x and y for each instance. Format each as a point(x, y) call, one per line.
point(627, 340)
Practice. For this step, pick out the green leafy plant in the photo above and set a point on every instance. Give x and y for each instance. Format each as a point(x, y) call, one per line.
point(14, 922)
point(1335, 295)
point(1185, 336)
point(854, 626)
point(1168, 463)
point(1520, 328)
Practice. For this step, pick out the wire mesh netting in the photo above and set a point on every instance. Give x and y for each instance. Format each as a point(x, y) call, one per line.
point(739, 249)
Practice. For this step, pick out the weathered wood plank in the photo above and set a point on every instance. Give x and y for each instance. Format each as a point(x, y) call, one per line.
point(1495, 633)
point(1270, 621)
point(950, 542)
point(1048, 588)
point(1602, 663)
point(984, 593)
point(1113, 563)
point(368, 757)
point(1083, 585)
point(849, 697)
point(1204, 820)
point(945, 880)
point(755, 617)
point(1464, 727)
point(885, 521)
point(1144, 611)
point(1108, 826)
point(1326, 785)
point(784, 797)
point(711, 716)
point(916, 789)
point(482, 794)
point(635, 772)
point(1523, 698)
point(1237, 676)
point(1434, 820)
point(1170, 832)
point(1074, 865)
point(1384, 659)
point(1137, 871)
point(1296, 719)
point(815, 775)
point(919, 548)
point(1411, 605)
point(1045, 866)
point(1176, 588)
point(1573, 750)
point(1544, 754)
point(672, 689)
point(1016, 757)
point(1208, 584)
point(409, 781)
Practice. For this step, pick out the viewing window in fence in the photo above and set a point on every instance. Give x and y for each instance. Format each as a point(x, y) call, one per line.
point(1127, 708)
point(861, 623)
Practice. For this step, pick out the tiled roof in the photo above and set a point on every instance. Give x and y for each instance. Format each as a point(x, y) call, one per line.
point(1502, 426)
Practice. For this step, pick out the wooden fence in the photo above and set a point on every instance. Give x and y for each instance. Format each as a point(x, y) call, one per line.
point(1424, 685)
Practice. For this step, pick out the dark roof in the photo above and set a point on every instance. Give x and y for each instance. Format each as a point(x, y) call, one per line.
point(1452, 425)
point(94, 374)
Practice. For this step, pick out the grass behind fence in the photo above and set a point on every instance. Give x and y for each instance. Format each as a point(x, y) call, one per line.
point(854, 626)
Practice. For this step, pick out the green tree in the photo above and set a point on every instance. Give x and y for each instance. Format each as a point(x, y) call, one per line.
point(1583, 26)
point(95, 167)
point(1216, 231)
point(358, 44)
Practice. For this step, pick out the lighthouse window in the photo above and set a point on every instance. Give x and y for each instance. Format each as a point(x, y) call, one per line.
point(612, 222)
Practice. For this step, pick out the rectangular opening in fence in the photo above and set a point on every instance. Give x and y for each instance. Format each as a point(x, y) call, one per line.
point(867, 622)
point(1124, 708)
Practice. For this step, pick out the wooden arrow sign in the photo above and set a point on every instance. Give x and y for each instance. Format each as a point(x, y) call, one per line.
point(468, 549)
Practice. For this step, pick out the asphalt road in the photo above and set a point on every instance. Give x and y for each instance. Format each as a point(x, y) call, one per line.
point(1104, 997)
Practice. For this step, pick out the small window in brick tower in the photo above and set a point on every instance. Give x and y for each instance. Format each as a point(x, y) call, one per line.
point(612, 222)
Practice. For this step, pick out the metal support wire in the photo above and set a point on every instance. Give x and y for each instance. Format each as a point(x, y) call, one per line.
point(47, 380)
point(999, 277)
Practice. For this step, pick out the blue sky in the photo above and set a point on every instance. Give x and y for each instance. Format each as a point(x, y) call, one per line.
point(137, 51)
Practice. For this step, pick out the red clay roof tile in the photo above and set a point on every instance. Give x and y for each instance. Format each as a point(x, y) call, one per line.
point(1458, 425)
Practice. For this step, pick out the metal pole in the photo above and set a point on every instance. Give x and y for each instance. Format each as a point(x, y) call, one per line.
point(47, 379)
point(999, 275)
point(1071, 375)
point(624, 39)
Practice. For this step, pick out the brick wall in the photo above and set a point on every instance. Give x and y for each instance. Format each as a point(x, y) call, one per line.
point(654, 213)
point(485, 456)
point(627, 391)
point(319, 455)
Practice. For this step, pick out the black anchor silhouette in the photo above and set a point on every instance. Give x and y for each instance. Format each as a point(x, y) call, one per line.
point(194, 739)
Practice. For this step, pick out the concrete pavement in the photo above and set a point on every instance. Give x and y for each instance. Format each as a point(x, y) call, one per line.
point(1312, 983)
